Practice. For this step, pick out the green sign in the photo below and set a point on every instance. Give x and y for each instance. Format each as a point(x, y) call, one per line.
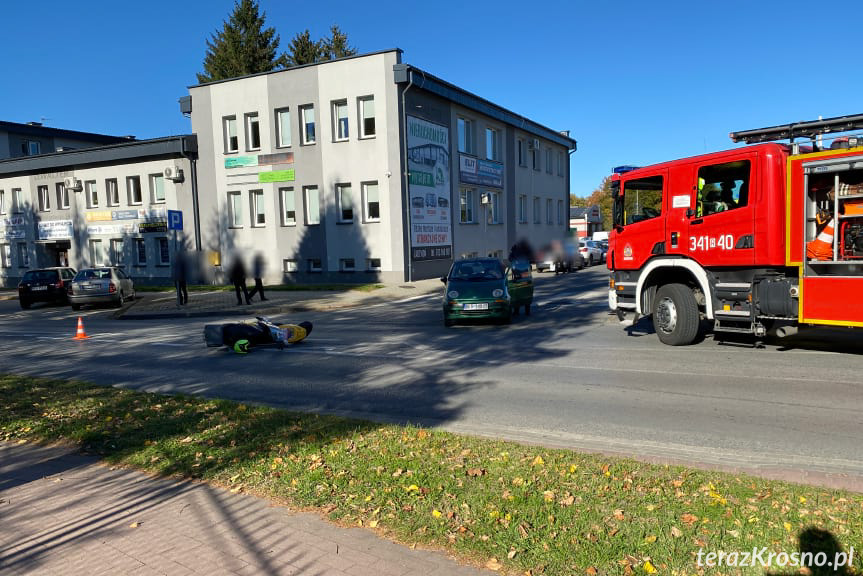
point(276, 176)
point(419, 178)
point(238, 161)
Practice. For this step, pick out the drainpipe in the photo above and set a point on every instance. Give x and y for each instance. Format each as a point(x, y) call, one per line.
point(407, 199)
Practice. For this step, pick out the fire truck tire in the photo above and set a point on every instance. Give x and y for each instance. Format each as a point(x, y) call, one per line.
point(675, 315)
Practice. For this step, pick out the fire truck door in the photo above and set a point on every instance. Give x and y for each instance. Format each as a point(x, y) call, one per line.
point(641, 227)
point(721, 219)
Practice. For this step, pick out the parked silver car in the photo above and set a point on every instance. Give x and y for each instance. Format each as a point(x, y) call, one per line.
point(105, 285)
point(590, 251)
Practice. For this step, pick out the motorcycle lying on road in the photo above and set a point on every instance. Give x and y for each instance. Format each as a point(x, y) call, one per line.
point(242, 336)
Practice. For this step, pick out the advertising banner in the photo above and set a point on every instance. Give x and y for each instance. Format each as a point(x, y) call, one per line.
point(429, 190)
point(54, 230)
point(481, 172)
point(276, 176)
point(154, 226)
point(240, 161)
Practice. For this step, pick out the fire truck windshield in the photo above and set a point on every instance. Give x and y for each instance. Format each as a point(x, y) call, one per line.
point(640, 199)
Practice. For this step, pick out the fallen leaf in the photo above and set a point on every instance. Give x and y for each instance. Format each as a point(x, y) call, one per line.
point(512, 552)
point(591, 571)
point(538, 461)
point(689, 519)
point(618, 514)
point(648, 567)
point(475, 472)
point(493, 564)
point(675, 532)
point(650, 539)
point(373, 524)
point(436, 513)
point(134, 525)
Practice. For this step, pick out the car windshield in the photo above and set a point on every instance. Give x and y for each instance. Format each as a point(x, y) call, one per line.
point(40, 276)
point(477, 271)
point(95, 274)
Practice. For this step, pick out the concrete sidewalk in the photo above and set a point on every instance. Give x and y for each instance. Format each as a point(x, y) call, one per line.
point(64, 513)
point(150, 305)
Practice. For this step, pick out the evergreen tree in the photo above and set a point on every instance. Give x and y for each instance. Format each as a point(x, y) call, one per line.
point(336, 46)
point(242, 47)
point(304, 50)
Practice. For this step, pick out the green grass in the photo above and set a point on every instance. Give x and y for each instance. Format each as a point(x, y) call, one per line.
point(521, 509)
point(275, 288)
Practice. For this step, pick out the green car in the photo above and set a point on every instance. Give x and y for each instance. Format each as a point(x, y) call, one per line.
point(483, 288)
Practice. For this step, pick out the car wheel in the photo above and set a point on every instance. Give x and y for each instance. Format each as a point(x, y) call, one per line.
point(675, 315)
point(25, 304)
point(447, 322)
point(121, 300)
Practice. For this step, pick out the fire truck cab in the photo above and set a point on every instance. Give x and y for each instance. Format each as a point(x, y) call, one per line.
point(723, 237)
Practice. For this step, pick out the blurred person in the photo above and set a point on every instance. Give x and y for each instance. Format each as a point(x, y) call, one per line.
point(238, 279)
point(258, 266)
point(180, 274)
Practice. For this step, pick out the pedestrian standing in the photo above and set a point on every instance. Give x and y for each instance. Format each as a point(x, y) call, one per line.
point(180, 273)
point(258, 270)
point(238, 278)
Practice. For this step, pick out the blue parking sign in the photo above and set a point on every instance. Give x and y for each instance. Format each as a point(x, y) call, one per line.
point(175, 220)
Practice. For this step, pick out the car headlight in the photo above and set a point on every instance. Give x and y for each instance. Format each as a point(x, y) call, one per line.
point(497, 293)
point(452, 294)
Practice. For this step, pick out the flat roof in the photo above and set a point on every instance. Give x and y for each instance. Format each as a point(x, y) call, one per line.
point(37, 129)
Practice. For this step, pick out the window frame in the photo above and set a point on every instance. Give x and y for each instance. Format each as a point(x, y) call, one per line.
point(112, 192)
point(537, 210)
point(133, 186)
point(549, 163)
point(252, 127)
point(5, 255)
point(465, 135)
point(235, 209)
point(347, 265)
point(307, 190)
point(367, 217)
point(117, 257)
point(304, 126)
point(549, 211)
point(283, 127)
point(140, 257)
point(95, 252)
point(494, 207)
point(467, 206)
point(522, 209)
point(23, 255)
point(522, 149)
point(258, 207)
point(338, 106)
point(91, 193)
point(492, 143)
point(163, 251)
point(314, 265)
point(346, 213)
point(2, 201)
point(370, 267)
point(229, 124)
point(366, 122)
point(17, 201)
point(154, 188)
point(44, 198)
point(284, 193)
point(62, 196)
point(289, 265)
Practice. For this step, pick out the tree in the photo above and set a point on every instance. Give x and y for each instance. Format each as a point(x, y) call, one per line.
point(336, 46)
point(601, 196)
point(242, 47)
point(304, 50)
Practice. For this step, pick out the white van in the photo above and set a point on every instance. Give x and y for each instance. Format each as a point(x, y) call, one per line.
point(597, 236)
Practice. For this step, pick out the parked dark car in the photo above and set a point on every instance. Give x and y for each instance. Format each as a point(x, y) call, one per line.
point(44, 285)
point(105, 285)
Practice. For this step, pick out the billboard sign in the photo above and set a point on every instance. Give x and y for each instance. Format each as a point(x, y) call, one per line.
point(429, 190)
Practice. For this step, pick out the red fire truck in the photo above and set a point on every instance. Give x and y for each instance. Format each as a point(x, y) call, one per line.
point(766, 237)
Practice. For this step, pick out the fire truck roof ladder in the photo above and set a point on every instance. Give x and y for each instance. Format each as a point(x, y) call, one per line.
point(799, 130)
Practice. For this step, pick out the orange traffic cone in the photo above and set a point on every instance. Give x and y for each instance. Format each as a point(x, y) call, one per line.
point(80, 335)
point(822, 247)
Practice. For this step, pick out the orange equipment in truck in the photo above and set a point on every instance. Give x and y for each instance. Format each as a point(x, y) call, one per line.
point(752, 239)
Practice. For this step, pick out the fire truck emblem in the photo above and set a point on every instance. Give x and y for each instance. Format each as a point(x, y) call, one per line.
point(627, 252)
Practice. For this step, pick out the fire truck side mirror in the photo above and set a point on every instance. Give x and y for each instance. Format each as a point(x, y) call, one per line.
point(690, 212)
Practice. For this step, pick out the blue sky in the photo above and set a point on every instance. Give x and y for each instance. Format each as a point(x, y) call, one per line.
point(634, 82)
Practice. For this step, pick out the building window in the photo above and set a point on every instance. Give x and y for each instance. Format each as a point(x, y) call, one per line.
point(549, 215)
point(140, 252)
point(344, 203)
point(492, 150)
point(313, 205)
point(347, 265)
point(44, 198)
point(6, 255)
point(164, 253)
point(283, 128)
point(307, 128)
point(537, 217)
point(289, 206)
point(253, 132)
point(534, 155)
point(466, 205)
point(289, 265)
point(133, 189)
point(560, 211)
point(373, 264)
point(92, 194)
point(62, 196)
point(465, 135)
point(117, 250)
point(367, 116)
point(157, 188)
point(23, 255)
point(259, 212)
point(549, 165)
point(230, 133)
point(522, 208)
point(340, 120)
point(560, 156)
point(522, 157)
point(235, 209)
point(112, 192)
point(371, 202)
point(17, 201)
point(97, 257)
point(31, 147)
point(314, 264)
point(2, 202)
point(494, 207)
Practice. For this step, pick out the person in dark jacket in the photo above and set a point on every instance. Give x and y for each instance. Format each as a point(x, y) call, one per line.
point(180, 272)
point(238, 278)
point(258, 270)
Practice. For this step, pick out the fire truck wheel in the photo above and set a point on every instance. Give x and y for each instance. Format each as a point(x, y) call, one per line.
point(675, 315)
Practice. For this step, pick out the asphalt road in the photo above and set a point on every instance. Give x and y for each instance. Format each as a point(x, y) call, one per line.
point(568, 376)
